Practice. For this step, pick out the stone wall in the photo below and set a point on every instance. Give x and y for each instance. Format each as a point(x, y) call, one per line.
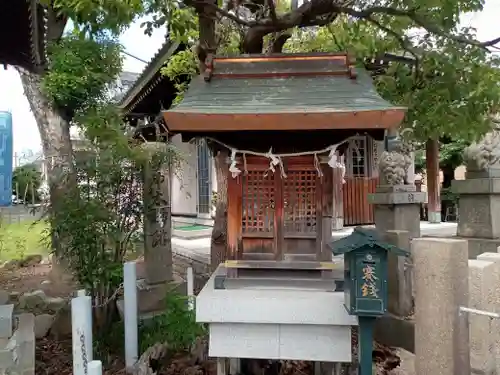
point(17, 342)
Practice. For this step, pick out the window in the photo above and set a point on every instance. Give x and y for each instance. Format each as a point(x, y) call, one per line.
point(357, 160)
point(204, 182)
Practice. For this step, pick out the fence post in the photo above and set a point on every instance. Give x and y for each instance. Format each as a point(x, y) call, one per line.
point(95, 368)
point(441, 287)
point(81, 326)
point(190, 288)
point(130, 314)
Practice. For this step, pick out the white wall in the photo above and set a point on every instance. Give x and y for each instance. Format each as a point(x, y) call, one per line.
point(184, 186)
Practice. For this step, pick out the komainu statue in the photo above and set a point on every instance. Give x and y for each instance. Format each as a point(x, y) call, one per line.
point(394, 164)
point(485, 153)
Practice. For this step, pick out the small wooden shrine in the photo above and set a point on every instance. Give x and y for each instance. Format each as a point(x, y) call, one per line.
point(286, 121)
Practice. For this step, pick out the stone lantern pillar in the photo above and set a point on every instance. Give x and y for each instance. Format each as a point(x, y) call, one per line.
point(397, 201)
point(479, 196)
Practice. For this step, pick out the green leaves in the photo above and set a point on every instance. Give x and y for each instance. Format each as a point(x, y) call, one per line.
point(97, 16)
point(80, 70)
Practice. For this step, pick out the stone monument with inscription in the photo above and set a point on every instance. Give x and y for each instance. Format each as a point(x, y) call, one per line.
point(479, 196)
point(397, 202)
point(157, 230)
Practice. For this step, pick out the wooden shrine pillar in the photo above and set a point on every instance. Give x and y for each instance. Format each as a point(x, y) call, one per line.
point(433, 182)
point(338, 199)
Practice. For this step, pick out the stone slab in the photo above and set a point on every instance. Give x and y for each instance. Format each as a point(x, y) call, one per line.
point(395, 188)
point(6, 312)
point(400, 296)
point(479, 216)
point(395, 331)
point(151, 297)
point(397, 198)
point(6, 359)
point(441, 287)
point(476, 186)
point(404, 217)
point(479, 246)
point(483, 277)
point(495, 258)
point(488, 173)
point(192, 234)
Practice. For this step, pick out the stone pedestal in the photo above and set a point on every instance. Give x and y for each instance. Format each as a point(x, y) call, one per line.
point(397, 208)
point(479, 210)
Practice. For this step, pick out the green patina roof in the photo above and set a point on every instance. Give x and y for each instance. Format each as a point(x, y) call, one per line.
point(361, 237)
point(320, 93)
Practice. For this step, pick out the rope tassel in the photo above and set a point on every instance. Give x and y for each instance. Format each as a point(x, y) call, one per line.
point(276, 160)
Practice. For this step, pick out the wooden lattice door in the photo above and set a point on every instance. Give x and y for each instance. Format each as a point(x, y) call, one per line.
point(258, 224)
point(279, 215)
point(301, 196)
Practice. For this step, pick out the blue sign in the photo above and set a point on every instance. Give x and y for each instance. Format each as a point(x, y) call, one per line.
point(6, 155)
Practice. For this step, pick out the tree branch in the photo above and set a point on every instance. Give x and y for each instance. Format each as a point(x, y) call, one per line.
point(323, 12)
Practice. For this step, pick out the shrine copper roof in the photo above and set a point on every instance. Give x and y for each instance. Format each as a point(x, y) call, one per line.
point(282, 92)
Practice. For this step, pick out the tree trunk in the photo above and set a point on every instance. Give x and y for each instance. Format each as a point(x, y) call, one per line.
point(218, 250)
point(56, 144)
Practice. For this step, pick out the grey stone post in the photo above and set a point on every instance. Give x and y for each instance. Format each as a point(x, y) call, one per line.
point(479, 210)
point(397, 207)
point(483, 279)
point(494, 258)
point(157, 221)
point(157, 232)
point(399, 274)
point(441, 287)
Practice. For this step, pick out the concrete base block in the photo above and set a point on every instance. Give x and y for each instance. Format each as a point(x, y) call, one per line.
point(6, 321)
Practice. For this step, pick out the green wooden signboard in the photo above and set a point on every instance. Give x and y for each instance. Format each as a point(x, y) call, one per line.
point(365, 283)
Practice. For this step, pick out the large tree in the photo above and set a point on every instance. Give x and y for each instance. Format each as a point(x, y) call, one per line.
point(450, 87)
point(445, 76)
point(77, 69)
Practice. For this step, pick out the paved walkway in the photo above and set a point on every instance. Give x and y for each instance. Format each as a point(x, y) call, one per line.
point(199, 249)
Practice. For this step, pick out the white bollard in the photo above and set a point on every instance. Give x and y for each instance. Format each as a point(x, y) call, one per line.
point(81, 327)
point(130, 314)
point(81, 293)
point(95, 368)
point(190, 288)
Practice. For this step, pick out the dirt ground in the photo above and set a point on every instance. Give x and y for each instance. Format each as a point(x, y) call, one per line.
point(54, 356)
point(28, 279)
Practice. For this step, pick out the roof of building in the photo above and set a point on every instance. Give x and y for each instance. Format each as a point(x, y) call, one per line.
point(282, 92)
point(22, 34)
point(149, 78)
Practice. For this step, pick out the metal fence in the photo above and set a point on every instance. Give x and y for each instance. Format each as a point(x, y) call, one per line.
point(19, 212)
